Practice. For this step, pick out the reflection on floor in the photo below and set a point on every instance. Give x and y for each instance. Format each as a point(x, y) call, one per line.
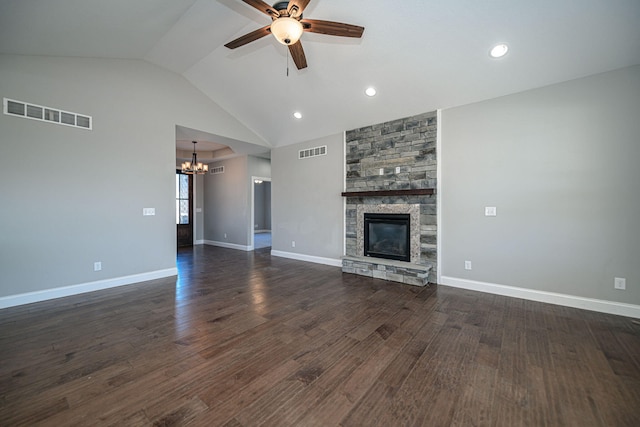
point(262, 239)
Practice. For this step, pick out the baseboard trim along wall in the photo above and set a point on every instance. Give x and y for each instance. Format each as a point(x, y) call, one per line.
point(228, 245)
point(310, 258)
point(602, 306)
point(65, 291)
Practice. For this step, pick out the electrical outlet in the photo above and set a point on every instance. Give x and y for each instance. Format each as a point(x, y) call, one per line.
point(467, 265)
point(397, 169)
point(225, 235)
point(97, 266)
point(293, 243)
point(620, 283)
point(381, 171)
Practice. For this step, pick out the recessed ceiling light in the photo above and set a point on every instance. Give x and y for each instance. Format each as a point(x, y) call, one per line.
point(297, 115)
point(371, 91)
point(498, 51)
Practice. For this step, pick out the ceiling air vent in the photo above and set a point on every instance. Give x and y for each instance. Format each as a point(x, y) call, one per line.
point(46, 114)
point(216, 170)
point(312, 152)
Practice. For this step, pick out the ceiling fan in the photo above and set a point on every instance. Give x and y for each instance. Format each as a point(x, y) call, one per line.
point(287, 25)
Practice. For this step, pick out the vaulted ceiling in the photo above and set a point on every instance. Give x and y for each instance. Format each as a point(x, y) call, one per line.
point(419, 54)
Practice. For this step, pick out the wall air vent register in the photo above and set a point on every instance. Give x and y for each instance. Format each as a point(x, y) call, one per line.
point(46, 114)
point(312, 152)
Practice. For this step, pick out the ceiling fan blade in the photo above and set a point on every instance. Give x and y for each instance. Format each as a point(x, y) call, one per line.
point(263, 7)
point(297, 53)
point(332, 28)
point(296, 7)
point(248, 38)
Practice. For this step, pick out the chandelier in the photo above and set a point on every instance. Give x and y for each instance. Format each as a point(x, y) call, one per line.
point(193, 167)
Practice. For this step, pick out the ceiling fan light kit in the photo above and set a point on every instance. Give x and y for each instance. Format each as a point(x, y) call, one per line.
point(286, 30)
point(288, 25)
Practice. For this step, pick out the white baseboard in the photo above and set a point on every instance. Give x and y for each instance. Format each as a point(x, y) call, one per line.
point(199, 242)
point(309, 258)
point(603, 306)
point(65, 291)
point(228, 245)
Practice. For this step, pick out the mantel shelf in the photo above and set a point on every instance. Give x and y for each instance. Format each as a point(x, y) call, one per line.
point(383, 193)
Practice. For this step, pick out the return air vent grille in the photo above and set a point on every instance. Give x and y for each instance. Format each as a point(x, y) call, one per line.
point(312, 152)
point(46, 114)
point(216, 170)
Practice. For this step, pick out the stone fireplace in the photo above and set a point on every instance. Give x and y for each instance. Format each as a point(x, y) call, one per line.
point(391, 173)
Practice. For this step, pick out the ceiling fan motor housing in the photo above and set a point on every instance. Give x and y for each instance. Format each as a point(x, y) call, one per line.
point(281, 5)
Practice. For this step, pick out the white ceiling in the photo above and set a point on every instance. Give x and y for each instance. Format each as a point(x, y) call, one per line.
point(419, 54)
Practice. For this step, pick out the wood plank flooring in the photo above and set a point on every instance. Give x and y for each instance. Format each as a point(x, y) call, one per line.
point(244, 339)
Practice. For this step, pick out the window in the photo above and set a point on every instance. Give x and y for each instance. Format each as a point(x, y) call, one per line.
point(182, 198)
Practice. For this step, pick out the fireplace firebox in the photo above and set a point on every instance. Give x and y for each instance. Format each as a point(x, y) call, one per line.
point(387, 236)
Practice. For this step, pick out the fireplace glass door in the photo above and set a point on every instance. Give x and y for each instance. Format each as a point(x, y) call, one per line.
point(387, 236)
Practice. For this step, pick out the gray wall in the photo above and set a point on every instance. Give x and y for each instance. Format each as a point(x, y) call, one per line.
point(262, 206)
point(258, 166)
point(307, 206)
point(258, 206)
point(71, 197)
point(227, 199)
point(226, 204)
point(261, 167)
point(267, 207)
point(560, 163)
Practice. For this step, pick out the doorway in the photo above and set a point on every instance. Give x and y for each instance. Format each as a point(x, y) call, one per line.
point(184, 209)
point(261, 215)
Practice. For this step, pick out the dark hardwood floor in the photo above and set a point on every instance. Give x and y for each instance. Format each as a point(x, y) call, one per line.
point(245, 339)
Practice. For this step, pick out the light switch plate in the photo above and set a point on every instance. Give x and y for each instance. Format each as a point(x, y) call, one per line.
point(148, 211)
point(490, 211)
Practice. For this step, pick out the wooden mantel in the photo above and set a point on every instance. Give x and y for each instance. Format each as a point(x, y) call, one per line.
point(383, 193)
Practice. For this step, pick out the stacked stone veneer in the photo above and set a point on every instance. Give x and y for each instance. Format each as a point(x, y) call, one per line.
point(408, 144)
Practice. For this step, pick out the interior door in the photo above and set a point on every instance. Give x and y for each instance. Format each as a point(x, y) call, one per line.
point(184, 209)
